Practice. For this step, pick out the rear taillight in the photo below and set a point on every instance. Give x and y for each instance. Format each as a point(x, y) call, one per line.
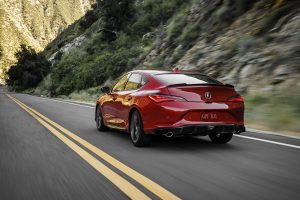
point(163, 98)
point(236, 99)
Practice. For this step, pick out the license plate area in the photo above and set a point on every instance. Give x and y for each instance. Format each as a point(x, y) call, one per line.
point(209, 116)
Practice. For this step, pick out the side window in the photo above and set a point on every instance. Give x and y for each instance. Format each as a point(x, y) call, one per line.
point(119, 86)
point(134, 82)
point(144, 81)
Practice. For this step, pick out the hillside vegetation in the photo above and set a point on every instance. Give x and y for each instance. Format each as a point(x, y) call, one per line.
point(113, 43)
point(30, 69)
point(253, 44)
point(34, 23)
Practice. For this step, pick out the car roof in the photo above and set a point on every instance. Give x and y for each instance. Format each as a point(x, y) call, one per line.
point(149, 71)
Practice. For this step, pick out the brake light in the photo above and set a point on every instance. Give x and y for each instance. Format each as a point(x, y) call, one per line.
point(236, 99)
point(163, 98)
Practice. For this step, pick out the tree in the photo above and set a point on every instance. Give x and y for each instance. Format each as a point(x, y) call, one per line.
point(115, 15)
point(89, 18)
point(29, 70)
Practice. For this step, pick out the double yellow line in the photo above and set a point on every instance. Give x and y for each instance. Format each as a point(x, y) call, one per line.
point(126, 187)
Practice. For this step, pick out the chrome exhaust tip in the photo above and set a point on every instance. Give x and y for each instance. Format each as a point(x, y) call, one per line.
point(168, 134)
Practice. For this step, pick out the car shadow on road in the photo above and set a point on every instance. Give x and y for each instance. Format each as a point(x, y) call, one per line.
point(177, 143)
point(189, 144)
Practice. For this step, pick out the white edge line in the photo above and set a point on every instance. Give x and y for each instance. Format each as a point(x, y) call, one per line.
point(268, 141)
point(272, 133)
point(67, 102)
point(76, 104)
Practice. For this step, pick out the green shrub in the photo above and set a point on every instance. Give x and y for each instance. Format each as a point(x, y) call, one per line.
point(115, 15)
point(176, 26)
point(275, 110)
point(178, 53)
point(84, 68)
point(124, 41)
point(151, 13)
point(63, 73)
point(89, 18)
point(158, 62)
point(190, 33)
point(29, 70)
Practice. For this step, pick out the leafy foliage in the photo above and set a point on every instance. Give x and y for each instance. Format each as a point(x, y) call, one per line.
point(116, 46)
point(115, 14)
point(152, 13)
point(92, 65)
point(89, 18)
point(30, 69)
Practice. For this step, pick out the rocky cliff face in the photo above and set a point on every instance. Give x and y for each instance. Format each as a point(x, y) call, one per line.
point(256, 50)
point(34, 23)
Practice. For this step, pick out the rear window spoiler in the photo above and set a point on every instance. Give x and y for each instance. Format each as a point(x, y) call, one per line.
point(184, 84)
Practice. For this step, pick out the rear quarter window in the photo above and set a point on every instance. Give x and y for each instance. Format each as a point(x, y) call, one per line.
point(120, 85)
point(134, 82)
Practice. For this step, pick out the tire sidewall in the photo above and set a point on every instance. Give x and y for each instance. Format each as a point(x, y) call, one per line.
point(132, 123)
point(142, 139)
point(99, 122)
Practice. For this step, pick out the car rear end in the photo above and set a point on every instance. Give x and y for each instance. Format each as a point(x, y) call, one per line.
point(192, 104)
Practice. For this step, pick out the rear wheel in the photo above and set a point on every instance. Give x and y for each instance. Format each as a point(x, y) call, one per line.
point(99, 120)
point(138, 137)
point(220, 138)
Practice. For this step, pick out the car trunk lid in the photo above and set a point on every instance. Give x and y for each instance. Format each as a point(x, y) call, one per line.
point(203, 93)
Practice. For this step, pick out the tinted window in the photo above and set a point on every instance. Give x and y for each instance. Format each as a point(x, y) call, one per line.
point(188, 79)
point(121, 83)
point(144, 81)
point(134, 82)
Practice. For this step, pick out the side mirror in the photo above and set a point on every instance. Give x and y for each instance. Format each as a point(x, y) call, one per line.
point(105, 89)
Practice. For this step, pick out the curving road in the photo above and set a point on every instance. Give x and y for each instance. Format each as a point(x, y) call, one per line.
point(51, 150)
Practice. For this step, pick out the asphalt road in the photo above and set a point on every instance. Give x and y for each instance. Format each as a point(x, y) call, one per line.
point(37, 164)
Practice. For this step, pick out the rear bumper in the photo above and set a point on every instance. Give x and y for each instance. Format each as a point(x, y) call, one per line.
point(202, 129)
point(171, 115)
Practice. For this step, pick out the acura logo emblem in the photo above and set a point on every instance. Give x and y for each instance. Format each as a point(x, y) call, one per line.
point(207, 95)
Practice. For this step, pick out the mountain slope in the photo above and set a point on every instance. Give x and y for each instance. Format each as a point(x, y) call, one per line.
point(35, 23)
point(251, 44)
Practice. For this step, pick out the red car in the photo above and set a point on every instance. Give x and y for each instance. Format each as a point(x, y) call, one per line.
point(146, 102)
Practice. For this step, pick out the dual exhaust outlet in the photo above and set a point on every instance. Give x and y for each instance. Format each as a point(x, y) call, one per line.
point(168, 134)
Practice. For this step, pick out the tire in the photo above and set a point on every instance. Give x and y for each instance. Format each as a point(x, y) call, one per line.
point(138, 137)
point(99, 120)
point(220, 138)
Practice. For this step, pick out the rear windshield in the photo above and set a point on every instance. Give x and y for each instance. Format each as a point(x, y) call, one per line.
point(186, 79)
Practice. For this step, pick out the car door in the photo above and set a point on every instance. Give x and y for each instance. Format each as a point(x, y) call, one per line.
point(112, 104)
point(126, 99)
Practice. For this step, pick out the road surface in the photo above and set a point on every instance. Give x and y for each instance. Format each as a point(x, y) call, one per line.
point(52, 150)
